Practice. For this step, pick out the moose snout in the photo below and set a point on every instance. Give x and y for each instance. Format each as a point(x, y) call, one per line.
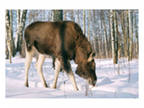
point(92, 82)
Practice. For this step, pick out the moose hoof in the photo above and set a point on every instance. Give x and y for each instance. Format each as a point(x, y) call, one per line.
point(76, 89)
point(54, 87)
point(26, 84)
point(45, 85)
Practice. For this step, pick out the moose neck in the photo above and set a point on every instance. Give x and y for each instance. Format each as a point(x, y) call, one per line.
point(83, 49)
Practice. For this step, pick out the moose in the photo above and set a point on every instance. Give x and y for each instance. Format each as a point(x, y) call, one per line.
point(64, 41)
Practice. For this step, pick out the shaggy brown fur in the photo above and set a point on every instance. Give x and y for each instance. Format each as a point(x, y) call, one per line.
point(63, 40)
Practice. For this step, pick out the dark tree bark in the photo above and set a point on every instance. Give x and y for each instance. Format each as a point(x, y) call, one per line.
point(116, 36)
point(57, 15)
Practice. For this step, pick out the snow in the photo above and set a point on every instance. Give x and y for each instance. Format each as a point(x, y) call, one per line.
point(114, 81)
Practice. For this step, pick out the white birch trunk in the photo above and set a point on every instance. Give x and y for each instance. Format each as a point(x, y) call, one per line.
point(130, 36)
point(8, 35)
point(18, 26)
point(89, 20)
point(21, 25)
point(112, 35)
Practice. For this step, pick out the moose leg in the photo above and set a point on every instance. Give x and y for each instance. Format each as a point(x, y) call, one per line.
point(57, 70)
point(39, 64)
point(68, 70)
point(29, 55)
point(72, 79)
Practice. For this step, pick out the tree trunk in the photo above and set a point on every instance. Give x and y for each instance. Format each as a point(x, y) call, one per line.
point(20, 30)
point(8, 35)
point(89, 20)
point(57, 15)
point(137, 39)
point(78, 16)
point(114, 36)
point(11, 36)
point(130, 36)
point(124, 30)
point(18, 26)
point(109, 37)
point(105, 33)
point(72, 15)
point(64, 14)
point(84, 22)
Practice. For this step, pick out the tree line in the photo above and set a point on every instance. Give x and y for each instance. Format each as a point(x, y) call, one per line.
point(112, 33)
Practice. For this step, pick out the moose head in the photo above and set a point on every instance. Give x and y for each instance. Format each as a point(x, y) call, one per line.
point(86, 69)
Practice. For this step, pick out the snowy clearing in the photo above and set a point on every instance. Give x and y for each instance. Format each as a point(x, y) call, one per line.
point(110, 84)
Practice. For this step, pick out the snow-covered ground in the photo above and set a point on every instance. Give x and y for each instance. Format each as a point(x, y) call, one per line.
point(114, 81)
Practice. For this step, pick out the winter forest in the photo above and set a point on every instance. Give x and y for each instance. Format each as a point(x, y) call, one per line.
point(114, 36)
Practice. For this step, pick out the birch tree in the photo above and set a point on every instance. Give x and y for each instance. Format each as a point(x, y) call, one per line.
point(130, 40)
point(72, 15)
point(11, 34)
point(18, 26)
point(8, 35)
point(21, 18)
point(89, 20)
point(64, 14)
point(136, 34)
point(114, 36)
point(84, 29)
point(105, 33)
point(78, 16)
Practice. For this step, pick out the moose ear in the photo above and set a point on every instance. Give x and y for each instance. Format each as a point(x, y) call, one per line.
point(91, 57)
